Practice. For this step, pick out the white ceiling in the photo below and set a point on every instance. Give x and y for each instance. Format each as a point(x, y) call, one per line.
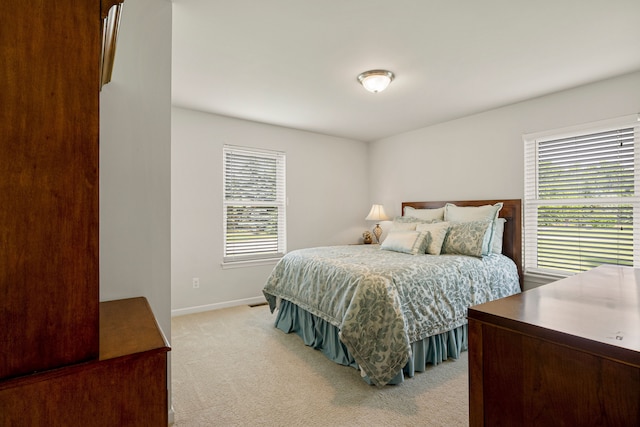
point(294, 63)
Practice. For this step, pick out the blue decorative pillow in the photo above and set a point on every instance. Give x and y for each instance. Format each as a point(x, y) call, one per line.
point(467, 238)
point(405, 219)
point(475, 213)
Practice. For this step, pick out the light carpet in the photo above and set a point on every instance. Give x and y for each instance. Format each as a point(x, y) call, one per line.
point(232, 367)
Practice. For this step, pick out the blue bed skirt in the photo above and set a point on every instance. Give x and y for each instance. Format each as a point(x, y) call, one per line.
point(323, 336)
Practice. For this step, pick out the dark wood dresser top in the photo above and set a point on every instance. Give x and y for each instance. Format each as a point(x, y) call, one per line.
point(597, 311)
point(127, 327)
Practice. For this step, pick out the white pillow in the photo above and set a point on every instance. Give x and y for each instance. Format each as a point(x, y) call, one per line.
point(409, 242)
point(437, 232)
point(403, 226)
point(498, 233)
point(429, 214)
point(471, 213)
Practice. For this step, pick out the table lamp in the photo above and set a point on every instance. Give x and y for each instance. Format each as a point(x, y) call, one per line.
point(377, 214)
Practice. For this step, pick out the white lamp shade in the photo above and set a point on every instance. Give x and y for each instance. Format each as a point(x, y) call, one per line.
point(375, 80)
point(377, 214)
point(376, 83)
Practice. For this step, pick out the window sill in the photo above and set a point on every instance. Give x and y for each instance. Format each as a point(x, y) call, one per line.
point(533, 279)
point(249, 263)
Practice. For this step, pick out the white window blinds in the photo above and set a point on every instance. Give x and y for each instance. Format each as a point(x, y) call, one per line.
point(254, 204)
point(581, 198)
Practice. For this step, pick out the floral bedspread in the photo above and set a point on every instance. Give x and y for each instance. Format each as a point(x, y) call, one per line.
point(381, 301)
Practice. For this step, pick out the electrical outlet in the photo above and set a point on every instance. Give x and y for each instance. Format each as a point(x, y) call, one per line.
point(196, 282)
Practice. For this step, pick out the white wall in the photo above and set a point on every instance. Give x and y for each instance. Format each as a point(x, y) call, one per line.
point(327, 189)
point(135, 162)
point(481, 156)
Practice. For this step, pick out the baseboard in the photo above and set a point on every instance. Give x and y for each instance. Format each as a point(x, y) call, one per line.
point(171, 416)
point(217, 306)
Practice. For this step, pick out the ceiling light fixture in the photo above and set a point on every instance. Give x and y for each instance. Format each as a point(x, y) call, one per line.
point(375, 80)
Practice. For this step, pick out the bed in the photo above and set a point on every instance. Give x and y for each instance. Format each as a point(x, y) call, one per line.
point(390, 312)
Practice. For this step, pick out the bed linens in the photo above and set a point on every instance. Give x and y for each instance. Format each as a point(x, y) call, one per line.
point(382, 301)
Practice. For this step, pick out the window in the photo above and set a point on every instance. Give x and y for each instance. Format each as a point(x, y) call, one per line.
point(254, 204)
point(582, 204)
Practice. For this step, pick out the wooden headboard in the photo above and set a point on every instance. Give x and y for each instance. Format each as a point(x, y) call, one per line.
point(511, 211)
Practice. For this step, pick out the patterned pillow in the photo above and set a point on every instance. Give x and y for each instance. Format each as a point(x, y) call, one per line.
point(467, 238)
point(403, 226)
point(409, 242)
point(475, 213)
point(437, 232)
point(408, 223)
point(404, 219)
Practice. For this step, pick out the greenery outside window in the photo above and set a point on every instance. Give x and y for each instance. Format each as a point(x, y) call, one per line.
point(254, 204)
point(582, 197)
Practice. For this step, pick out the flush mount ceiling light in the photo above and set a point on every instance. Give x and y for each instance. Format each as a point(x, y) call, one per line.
point(375, 80)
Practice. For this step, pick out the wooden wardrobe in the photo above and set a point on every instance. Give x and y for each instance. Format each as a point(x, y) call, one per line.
point(65, 358)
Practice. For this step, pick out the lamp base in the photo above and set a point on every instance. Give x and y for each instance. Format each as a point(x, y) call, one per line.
point(377, 231)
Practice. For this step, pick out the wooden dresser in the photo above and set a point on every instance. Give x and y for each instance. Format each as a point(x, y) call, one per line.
point(563, 354)
point(65, 358)
point(125, 386)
